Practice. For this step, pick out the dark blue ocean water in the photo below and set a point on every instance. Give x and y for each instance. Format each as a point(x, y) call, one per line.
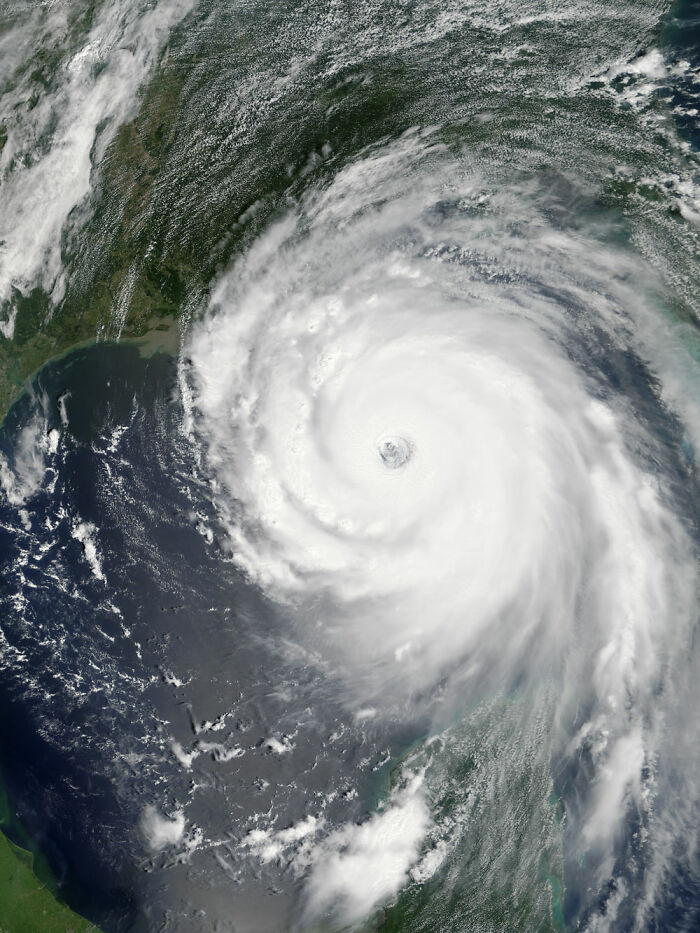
point(683, 38)
point(102, 675)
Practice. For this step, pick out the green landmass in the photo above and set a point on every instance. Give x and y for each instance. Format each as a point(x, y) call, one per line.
point(192, 180)
point(490, 790)
point(29, 896)
point(26, 905)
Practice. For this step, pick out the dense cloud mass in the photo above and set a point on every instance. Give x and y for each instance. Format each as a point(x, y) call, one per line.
point(405, 391)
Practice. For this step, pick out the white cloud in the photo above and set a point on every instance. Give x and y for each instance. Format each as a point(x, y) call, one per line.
point(21, 478)
point(358, 868)
point(161, 831)
point(528, 532)
point(54, 147)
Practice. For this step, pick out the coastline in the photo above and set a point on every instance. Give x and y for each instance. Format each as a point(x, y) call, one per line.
point(161, 336)
point(29, 895)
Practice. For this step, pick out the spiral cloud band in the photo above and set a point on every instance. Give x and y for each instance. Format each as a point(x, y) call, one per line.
point(411, 402)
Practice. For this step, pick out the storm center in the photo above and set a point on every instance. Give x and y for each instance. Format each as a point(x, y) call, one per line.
point(394, 452)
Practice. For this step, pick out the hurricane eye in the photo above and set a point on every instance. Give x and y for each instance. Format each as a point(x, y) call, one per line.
point(394, 452)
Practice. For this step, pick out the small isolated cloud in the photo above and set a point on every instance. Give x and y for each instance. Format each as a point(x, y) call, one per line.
point(160, 831)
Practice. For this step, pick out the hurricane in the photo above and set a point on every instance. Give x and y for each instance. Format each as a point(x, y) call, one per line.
point(409, 404)
point(348, 470)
